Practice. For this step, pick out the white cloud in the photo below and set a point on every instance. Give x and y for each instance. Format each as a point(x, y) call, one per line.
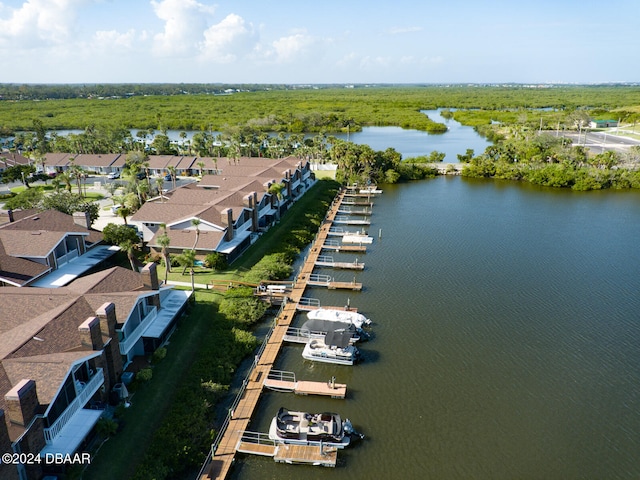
point(185, 24)
point(112, 38)
point(228, 40)
point(289, 48)
point(37, 23)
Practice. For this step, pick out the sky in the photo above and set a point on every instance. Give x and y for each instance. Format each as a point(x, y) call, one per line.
point(326, 41)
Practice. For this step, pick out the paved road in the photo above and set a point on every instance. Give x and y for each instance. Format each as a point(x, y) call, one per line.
point(599, 142)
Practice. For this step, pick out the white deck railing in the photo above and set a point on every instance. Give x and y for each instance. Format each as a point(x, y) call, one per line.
point(131, 339)
point(83, 397)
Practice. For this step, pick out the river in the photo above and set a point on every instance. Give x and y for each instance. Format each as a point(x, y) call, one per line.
point(410, 143)
point(505, 341)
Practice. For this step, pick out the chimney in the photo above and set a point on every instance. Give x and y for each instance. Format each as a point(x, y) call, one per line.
point(254, 212)
point(90, 334)
point(107, 315)
point(287, 184)
point(227, 221)
point(149, 275)
point(82, 218)
point(247, 201)
point(22, 402)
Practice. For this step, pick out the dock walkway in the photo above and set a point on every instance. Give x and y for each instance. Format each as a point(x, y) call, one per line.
point(224, 449)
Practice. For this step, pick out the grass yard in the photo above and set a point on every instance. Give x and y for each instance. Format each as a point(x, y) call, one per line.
point(202, 340)
point(119, 456)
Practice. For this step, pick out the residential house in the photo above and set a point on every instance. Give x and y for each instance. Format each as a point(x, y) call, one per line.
point(96, 163)
point(233, 207)
point(34, 243)
point(11, 159)
point(62, 354)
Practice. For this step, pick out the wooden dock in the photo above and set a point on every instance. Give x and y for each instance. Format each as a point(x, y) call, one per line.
point(351, 221)
point(328, 261)
point(224, 448)
point(319, 280)
point(335, 246)
point(357, 202)
point(286, 382)
point(354, 211)
point(255, 443)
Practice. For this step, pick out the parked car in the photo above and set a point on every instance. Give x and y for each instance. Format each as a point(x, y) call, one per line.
point(167, 177)
point(113, 175)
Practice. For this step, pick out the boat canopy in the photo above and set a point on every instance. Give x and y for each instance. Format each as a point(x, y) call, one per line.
point(337, 338)
point(321, 325)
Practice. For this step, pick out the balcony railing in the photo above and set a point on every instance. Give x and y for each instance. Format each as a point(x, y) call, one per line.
point(83, 397)
point(131, 339)
point(63, 259)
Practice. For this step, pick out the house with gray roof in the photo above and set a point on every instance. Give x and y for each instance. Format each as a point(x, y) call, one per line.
point(233, 206)
point(39, 242)
point(63, 351)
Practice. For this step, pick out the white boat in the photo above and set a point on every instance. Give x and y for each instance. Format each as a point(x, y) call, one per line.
point(302, 428)
point(345, 316)
point(334, 348)
point(371, 189)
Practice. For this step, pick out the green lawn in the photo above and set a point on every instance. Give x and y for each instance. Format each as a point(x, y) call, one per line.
point(195, 337)
point(119, 456)
point(268, 243)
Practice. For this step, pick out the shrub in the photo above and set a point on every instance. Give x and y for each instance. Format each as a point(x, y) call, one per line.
point(215, 261)
point(241, 306)
point(106, 427)
point(144, 375)
point(158, 355)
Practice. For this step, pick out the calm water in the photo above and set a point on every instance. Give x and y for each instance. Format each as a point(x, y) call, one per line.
point(410, 143)
point(414, 143)
point(506, 339)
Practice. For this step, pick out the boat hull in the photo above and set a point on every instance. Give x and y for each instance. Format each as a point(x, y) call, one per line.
point(357, 319)
point(316, 351)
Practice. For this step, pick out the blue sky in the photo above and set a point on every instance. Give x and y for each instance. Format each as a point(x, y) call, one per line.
point(328, 41)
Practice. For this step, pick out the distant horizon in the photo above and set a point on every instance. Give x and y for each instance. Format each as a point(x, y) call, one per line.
point(541, 42)
point(339, 84)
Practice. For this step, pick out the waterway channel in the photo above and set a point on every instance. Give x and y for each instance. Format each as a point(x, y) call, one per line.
point(505, 342)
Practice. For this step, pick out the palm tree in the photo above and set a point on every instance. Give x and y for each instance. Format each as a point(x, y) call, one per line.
point(200, 167)
point(65, 178)
point(124, 212)
point(164, 241)
point(172, 171)
point(188, 260)
point(159, 184)
point(196, 223)
point(130, 247)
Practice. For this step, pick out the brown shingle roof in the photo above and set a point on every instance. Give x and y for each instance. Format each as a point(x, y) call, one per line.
point(167, 212)
point(186, 163)
point(11, 159)
point(184, 239)
point(58, 159)
point(159, 162)
point(96, 160)
point(48, 371)
point(34, 243)
point(19, 271)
